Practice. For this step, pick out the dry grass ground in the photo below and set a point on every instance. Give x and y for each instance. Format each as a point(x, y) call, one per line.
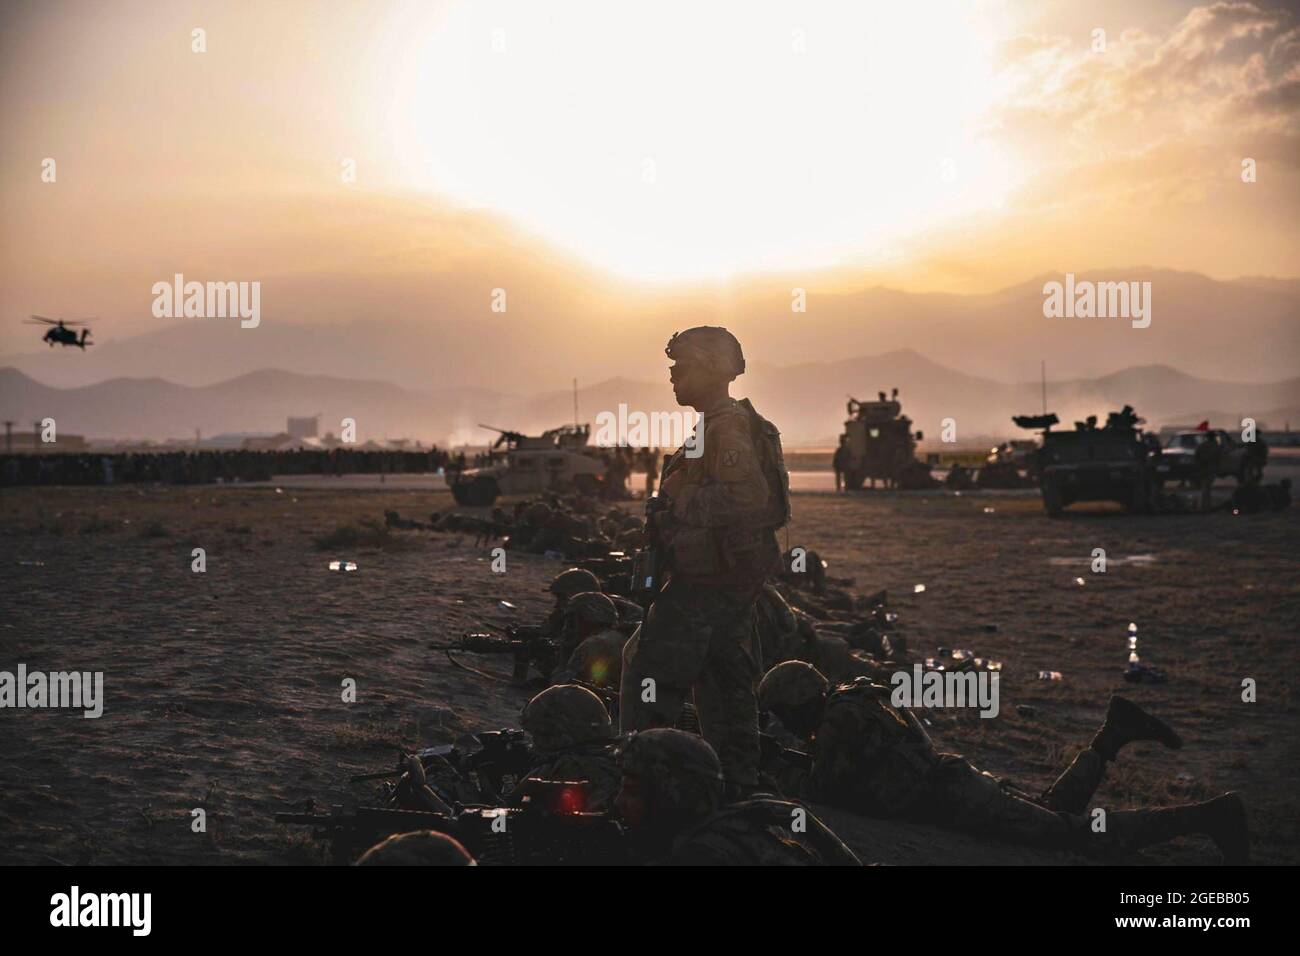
point(224, 688)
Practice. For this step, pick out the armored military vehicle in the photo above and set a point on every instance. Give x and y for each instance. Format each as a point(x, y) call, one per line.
point(882, 447)
point(558, 460)
point(1110, 463)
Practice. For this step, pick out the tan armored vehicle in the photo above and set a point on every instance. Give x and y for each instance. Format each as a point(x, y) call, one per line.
point(882, 446)
point(558, 460)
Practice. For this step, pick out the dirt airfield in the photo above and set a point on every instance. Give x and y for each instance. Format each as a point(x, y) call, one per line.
point(224, 688)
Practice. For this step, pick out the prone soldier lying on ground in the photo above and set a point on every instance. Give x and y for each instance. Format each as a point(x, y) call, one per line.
point(873, 758)
point(573, 738)
point(591, 645)
point(844, 651)
point(549, 825)
point(671, 801)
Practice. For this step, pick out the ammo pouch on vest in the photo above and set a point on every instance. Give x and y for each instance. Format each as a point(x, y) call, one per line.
point(695, 551)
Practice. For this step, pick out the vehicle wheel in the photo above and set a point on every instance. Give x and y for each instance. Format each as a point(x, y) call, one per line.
point(482, 491)
point(460, 492)
point(1053, 500)
point(1138, 500)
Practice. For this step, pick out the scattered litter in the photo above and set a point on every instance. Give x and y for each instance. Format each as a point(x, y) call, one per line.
point(31, 564)
point(505, 606)
point(918, 589)
point(1049, 675)
point(279, 491)
point(1080, 581)
point(988, 511)
point(343, 565)
point(1145, 674)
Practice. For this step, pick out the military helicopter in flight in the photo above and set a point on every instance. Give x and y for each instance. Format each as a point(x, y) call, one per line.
point(60, 332)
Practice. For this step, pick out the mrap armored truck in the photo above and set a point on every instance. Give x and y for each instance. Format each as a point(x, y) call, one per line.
point(881, 446)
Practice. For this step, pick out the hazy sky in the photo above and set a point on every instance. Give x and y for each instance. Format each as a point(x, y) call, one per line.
point(926, 145)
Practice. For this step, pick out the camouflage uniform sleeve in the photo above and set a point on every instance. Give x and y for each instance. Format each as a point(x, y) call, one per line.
point(737, 487)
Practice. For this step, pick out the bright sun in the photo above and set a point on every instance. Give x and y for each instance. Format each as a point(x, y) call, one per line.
point(674, 140)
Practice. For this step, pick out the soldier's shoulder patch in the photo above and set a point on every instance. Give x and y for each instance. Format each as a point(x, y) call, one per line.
point(730, 457)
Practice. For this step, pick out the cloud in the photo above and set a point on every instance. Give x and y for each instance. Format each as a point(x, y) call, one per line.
point(1225, 71)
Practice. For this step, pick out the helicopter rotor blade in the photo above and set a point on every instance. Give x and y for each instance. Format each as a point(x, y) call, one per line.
point(41, 318)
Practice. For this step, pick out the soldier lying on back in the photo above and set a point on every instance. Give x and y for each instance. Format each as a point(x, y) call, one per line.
point(873, 758)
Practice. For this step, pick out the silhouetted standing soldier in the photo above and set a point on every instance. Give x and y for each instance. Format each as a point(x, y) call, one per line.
point(723, 496)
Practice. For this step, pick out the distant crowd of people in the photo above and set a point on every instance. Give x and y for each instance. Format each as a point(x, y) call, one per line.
point(203, 467)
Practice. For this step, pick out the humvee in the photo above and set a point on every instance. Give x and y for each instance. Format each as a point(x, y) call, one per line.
point(558, 460)
point(1111, 463)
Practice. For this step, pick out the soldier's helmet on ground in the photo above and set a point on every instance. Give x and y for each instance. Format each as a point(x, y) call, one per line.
point(566, 715)
point(791, 685)
point(420, 848)
point(679, 771)
point(574, 581)
point(711, 345)
point(592, 607)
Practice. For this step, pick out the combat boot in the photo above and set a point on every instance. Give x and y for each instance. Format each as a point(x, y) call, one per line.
point(1126, 722)
point(1222, 819)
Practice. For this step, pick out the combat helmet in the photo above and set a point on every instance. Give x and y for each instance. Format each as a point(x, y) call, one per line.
point(418, 848)
point(680, 771)
point(592, 607)
point(574, 581)
point(564, 716)
point(710, 344)
point(791, 685)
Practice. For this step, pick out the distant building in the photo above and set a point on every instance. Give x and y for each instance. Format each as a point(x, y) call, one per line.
point(303, 427)
point(28, 442)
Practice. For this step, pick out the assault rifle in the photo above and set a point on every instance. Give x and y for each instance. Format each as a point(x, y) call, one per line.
point(527, 643)
point(502, 757)
point(650, 563)
point(549, 827)
point(614, 569)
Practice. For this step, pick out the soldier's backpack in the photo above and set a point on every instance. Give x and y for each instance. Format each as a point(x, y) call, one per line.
point(767, 442)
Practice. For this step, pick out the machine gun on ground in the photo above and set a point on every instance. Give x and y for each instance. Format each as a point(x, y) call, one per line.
point(550, 826)
point(527, 643)
point(614, 569)
point(502, 758)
